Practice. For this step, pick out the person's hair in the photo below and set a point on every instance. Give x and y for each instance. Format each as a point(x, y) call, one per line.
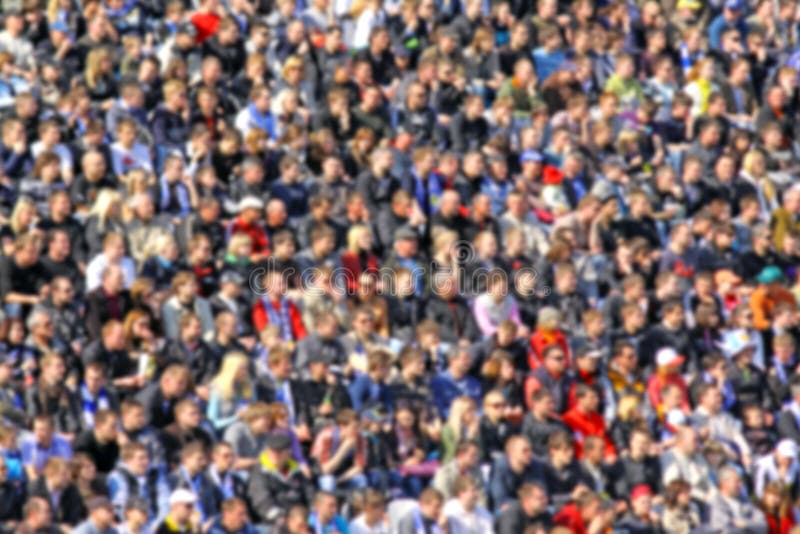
point(776, 487)
point(673, 490)
point(106, 198)
point(54, 465)
point(430, 496)
point(231, 503)
point(457, 409)
point(192, 448)
point(102, 416)
point(255, 411)
point(627, 407)
point(346, 416)
point(129, 450)
point(94, 62)
point(559, 440)
point(225, 382)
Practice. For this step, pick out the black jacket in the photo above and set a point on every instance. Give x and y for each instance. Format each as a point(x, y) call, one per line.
point(70, 509)
point(271, 494)
point(455, 319)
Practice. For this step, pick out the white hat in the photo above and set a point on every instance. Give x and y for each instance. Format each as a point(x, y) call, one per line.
point(787, 448)
point(675, 417)
point(736, 341)
point(668, 356)
point(250, 203)
point(182, 496)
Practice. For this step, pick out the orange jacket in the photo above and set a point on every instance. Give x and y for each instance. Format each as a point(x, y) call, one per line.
point(763, 303)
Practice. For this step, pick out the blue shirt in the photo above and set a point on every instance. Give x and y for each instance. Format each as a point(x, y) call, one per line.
point(547, 62)
point(719, 25)
point(37, 455)
point(445, 388)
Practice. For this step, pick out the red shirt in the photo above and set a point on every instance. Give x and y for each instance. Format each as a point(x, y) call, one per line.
point(257, 234)
point(206, 24)
point(261, 318)
point(587, 424)
point(570, 517)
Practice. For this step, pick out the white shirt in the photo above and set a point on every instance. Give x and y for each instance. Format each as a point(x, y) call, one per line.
point(94, 271)
point(359, 526)
point(59, 150)
point(477, 521)
point(124, 160)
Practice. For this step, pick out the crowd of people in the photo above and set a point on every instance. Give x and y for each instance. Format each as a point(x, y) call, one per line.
point(399, 266)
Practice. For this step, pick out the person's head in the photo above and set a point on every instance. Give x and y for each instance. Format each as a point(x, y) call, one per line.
point(430, 503)
point(325, 505)
point(555, 360)
point(519, 452)
point(730, 482)
point(56, 473)
point(181, 506)
point(175, 381)
point(37, 513)
point(223, 457)
point(193, 456)
point(686, 440)
point(105, 426)
point(135, 458)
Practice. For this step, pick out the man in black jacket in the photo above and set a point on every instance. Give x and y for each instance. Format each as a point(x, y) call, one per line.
point(277, 483)
point(529, 510)
point(159, 399)
point(68, 508)
point(451, 312)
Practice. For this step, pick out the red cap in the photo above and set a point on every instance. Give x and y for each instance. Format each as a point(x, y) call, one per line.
point(641, 490)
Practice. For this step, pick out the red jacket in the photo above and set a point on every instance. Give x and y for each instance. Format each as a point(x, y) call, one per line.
point(570, 517)
point(261, 317)
point(587, 424)
point(351, 266)
point(255, 231)
point(540, 340)
point(779, 525)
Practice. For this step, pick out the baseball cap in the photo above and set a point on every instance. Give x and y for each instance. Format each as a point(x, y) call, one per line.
point(278, 442)
point(734, 4)
point(688, 4)
point(787, 448)
point(675, 417)
point(182, 496)
point(735, 341)
point(530, 156)
point(404, 232)
point(668, 356)
point(641, 490)
point(770, 274)
point(250, 203)
point(187, 28)
point(230, 277)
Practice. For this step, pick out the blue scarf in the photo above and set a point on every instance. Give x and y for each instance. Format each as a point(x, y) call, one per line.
point(280, 318)
point(92, 404)
point(166, 196)
point(263, 121)
point(428, 192)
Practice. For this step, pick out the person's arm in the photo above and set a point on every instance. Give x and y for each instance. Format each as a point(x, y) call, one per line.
point(331, 465)
point(214, 412)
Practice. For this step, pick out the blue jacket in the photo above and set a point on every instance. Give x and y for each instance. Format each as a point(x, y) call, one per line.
point(217, 528)
point(445, 389)
point(364, 393)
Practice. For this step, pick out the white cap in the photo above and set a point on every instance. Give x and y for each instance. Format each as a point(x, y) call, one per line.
point(182, 496)
point(250, 203)
point(676, 417)
point(668, 356)
point(787, 448)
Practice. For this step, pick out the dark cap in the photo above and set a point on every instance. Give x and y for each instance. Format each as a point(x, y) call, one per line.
point(404, 232)
point(319, 357)
point(278, 442)
point(400, 51)
point(231, 277)
point(187, 28)
point(99, 501)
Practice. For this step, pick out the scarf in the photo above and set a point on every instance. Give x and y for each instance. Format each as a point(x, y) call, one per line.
point(262, 121)
point(704, 86)
point(280, 318)
point(92, 404)
point(419, 525)
point(166, 196)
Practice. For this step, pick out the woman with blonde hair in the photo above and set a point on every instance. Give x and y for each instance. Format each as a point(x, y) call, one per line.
point(462, 425)
point(754, 171)
point(445, 253)
point(104, 217)
point(98, 77)
point(293, 74)
point(629, 417)
point(700, 85)
point(237, 255)
point(358, 258)
point(231, 391)
point(22, 220)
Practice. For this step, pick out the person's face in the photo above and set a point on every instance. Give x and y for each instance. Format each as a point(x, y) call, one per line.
point(181, 512)
point(133, 419)
point(43, 432)
point(405, 418)
point(224, 459)
point(590, 401)
point(235, 519)
point(94, 380)
point(364, 324)
point(556, 361)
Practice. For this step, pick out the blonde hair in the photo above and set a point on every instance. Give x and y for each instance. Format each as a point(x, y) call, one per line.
point(225, 382)
point(354, 235)
point(238, 240)
point(457, 410)
point(106, 198)
point(155, 246)
point(94, 62)
point(290, 63)
point(22, 204)
point(694, 72)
